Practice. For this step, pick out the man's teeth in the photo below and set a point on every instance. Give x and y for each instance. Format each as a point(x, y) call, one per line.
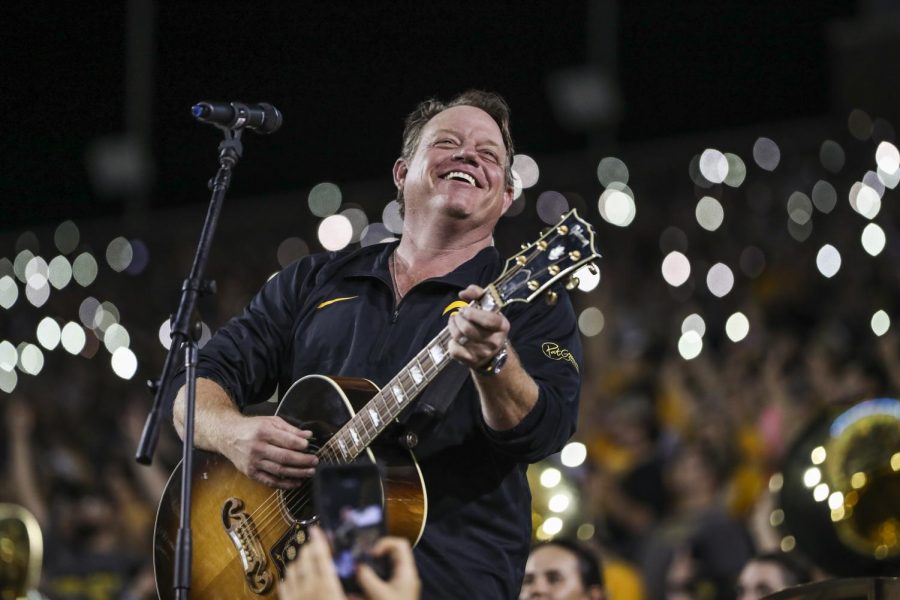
point(459, 175)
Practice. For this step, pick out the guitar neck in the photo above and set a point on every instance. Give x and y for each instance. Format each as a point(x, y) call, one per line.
point(367, 424)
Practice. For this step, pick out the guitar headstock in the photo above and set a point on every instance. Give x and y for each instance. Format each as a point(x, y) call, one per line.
point(560, 251)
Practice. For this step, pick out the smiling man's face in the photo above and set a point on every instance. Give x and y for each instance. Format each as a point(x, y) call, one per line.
point(458, 168)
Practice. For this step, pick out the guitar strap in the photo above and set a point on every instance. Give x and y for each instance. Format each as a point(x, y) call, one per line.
point(431, 407)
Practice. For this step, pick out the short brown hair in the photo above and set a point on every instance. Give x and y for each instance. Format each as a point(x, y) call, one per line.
point(490, 102)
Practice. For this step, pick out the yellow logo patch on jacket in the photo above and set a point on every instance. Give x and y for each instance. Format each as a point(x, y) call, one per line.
point(332, 301)
point(553, 351)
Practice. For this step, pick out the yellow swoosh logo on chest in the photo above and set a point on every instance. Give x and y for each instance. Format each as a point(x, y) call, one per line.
point(327, 302)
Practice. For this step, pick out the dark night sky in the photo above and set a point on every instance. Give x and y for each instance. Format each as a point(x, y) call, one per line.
point(345, 73)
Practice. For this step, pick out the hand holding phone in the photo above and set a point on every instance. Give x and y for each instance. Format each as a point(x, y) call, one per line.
point(349, 505)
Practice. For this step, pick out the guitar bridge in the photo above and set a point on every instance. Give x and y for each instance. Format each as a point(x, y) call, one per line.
point(242, 531)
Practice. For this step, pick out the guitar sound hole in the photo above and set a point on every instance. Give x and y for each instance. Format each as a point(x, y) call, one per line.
point(299, 501)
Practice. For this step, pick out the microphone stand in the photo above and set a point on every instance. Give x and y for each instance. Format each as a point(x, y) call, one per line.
point(184, 337)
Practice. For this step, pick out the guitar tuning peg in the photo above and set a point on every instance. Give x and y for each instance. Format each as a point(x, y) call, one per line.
point(572, 283)
point(524, 246)
point(551, 297)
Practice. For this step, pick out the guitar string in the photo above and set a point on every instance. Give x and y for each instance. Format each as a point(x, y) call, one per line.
point(290, 497)
point(269, 514)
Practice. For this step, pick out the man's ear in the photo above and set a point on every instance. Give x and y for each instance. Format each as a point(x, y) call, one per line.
point(400, 171)
point(508, 194)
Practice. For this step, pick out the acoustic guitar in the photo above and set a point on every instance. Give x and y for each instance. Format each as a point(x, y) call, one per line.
point(245, 533)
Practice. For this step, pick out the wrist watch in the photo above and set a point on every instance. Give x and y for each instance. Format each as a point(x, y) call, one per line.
point(495, 365)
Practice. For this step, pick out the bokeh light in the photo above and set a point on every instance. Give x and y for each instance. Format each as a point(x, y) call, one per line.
point(550, 205)
point(391, 217)
point(824, 196)
point(612, 169)
point(831, 155)
point(799, 208)
point(116, 337)
point(66, 237)
point(865, 200)
point(737, 170)
point(8, 380)
point(73, 338)
point(888, 157)
point(119, 254)
point(828, 260)
point(48, 333)
point(719, 280)
point(690, 344)
point(694, 322)
point(880, 323)
point(84, 269)
point(672, 238)
point(9, 291)
point(124, 363)
point(559, 503)
point(873, 239)
point(335, 232)
point(324, 199)
point(737, 327)
point(31, 359)
point(9, 356)
point(713, 165)
point(59, 272)
point(798, 231)
point(550, 477)
point(358, 221)
point(676, 268)
point(528, 170)
point(617, 206)
point(591, 321)
point(290, 250)
point(709, 213)
point(766, 154)
point(573, 454)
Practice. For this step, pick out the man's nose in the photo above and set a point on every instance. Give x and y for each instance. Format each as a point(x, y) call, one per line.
point(466, 153)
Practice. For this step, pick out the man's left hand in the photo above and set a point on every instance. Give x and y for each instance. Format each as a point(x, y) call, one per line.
point(476, 335)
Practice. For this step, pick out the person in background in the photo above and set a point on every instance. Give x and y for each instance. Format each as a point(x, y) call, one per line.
point(313, 574)
point(768, 573)
point(562, 570)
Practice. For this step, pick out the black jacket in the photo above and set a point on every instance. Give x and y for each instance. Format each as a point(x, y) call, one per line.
point(335, 314)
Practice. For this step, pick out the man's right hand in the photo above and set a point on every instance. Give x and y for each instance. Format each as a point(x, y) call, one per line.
point(265, 449)
point(271, 451)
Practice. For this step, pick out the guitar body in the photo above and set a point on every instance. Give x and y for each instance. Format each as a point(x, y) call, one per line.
point(244, 532)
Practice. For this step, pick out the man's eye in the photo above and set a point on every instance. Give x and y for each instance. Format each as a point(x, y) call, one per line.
point(445, 142)
point(491, 156)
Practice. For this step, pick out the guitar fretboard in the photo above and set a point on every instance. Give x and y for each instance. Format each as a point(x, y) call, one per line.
point(358, 432)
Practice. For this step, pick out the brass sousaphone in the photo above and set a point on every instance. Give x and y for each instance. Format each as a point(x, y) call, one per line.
point(840, 492)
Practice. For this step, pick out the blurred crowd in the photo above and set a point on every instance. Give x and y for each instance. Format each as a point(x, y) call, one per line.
point(680, 452)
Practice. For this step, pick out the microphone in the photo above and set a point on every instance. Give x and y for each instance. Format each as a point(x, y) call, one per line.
point(261, 117)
